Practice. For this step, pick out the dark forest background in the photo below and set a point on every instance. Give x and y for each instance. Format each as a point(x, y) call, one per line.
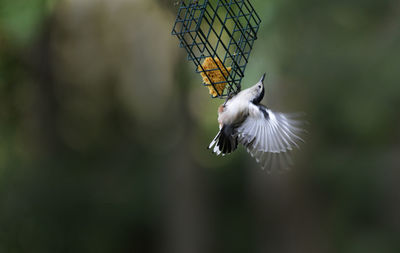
point(104, 124)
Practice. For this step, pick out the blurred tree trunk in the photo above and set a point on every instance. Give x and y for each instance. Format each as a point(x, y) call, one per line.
point(187, 227)
point(45, 107)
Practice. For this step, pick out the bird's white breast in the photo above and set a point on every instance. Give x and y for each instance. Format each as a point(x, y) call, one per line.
point(234, 111)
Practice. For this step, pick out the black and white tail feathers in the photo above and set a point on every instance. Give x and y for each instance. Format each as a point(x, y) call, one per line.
point(225, 141)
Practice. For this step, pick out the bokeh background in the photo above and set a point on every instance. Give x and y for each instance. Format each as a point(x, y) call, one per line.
point(104, 124)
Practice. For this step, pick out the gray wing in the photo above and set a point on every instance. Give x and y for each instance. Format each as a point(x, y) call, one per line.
point(269, 136)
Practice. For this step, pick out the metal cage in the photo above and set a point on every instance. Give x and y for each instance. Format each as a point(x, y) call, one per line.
point(221, 31)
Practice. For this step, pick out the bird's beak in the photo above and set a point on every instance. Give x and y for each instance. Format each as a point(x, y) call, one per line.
point(262, 79)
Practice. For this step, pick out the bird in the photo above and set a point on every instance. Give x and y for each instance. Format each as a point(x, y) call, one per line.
point(268, 136)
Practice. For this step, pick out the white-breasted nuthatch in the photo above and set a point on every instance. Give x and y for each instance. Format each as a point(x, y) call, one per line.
point(267, 135)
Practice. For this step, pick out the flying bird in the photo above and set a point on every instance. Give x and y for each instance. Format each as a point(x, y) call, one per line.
point(268, 136)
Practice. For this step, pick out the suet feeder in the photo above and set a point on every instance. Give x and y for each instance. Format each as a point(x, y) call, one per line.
point(218, 37)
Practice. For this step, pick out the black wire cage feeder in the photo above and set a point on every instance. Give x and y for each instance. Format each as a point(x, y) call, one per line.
point(218, 36)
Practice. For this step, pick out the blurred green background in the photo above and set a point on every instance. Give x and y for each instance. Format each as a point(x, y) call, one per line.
point(104, 124)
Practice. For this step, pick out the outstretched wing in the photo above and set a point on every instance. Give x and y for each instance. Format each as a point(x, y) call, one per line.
point(269, 136)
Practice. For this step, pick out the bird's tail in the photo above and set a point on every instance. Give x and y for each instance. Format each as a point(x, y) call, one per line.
point(225, 141)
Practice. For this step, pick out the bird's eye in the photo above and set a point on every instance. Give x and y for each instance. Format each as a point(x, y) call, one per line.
point(259, 86)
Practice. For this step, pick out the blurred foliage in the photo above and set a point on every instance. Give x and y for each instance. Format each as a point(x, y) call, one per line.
point(104, 124)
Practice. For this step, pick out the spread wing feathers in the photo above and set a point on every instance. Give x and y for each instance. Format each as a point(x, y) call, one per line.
point(268, 136)
point(225, 141)
point(269, 161)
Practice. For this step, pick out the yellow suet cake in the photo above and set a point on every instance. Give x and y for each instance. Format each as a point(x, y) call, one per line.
point(215, 75)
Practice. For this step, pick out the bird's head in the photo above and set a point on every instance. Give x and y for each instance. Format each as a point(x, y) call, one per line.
point(256, 92)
